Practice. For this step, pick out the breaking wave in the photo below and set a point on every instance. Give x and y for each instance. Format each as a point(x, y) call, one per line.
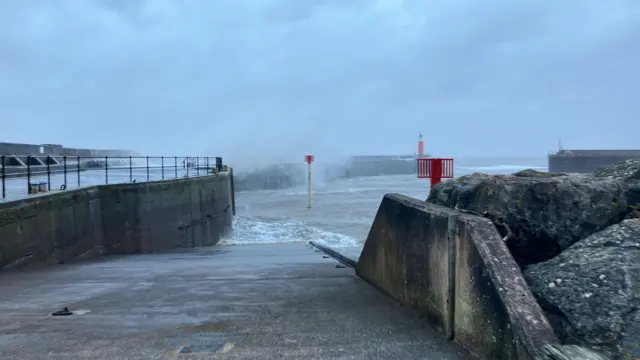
point(262, 230)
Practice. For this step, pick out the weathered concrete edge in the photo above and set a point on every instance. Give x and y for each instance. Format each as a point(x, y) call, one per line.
point(530, 326)
point(530, 316)
point(344, 259)
point(95, 190)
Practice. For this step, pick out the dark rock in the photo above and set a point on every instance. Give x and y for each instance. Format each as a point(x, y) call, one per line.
point(633, 194)
point(503, 229)
point(545, 214)
point(271, 178)
point(536, 173)
point(634, 214)
point(628, 169)
point(591, 291)
point(101, 164)
point(568, 352)
point(94, 164)
point(63, 312)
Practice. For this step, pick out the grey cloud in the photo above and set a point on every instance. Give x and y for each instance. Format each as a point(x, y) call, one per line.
point(274, 79)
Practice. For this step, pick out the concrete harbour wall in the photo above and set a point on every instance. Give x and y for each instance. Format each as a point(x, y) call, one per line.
point(456, 272)
point(57, 150)
point(587, 161)
point(115, 219)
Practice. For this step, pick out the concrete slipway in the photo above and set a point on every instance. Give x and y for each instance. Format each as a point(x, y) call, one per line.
point(285, 301)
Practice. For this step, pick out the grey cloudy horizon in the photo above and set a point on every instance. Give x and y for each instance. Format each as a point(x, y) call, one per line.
point(281, 78)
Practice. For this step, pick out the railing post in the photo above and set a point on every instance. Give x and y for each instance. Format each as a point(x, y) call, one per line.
point(28, 171)
point(197, 165)
point(176, 165)
point(130, 169)
point(48, 173)
point(162, 166)
point(233, 192)
point(147, 168)
point(78, 165)
point(208, 170)
point(64, 170)
point(106, 170)
point(4, 179)
point(186, 163)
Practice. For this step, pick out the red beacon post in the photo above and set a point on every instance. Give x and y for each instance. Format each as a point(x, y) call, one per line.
point(309, 159)
point(435, 168)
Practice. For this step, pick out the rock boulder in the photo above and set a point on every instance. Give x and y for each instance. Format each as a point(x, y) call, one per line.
point(628, 169)
point(546, 212)
point(591, 291)
point(568, 352)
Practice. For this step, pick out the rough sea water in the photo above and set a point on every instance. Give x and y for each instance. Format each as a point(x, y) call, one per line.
point(342, 211)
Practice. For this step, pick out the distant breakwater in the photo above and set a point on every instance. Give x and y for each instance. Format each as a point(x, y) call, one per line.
point(18, 159)
point(282, 176)
point(587, 161)
point(44, 150)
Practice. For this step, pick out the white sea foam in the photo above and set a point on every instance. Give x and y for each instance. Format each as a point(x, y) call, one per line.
point(261, 230)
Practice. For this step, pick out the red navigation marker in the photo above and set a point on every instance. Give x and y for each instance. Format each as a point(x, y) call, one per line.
point(309, 159)
point(436, 169)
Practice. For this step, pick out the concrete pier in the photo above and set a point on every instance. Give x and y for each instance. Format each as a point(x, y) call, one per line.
point(233, 302)
point(587, 161)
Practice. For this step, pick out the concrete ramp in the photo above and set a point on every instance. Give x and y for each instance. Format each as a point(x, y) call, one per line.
point(234, 302)
point(457, 273)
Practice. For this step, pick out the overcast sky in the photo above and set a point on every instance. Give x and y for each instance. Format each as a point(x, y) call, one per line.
point(240, 78)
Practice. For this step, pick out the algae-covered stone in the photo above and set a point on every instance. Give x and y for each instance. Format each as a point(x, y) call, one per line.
point(591, 291)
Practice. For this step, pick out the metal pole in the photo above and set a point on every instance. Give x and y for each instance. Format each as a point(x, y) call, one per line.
point(147, 168)
point(64, 170)
point(4, 179)
point(130, 169)
point(29, 172)
point(186, 163)
point(175, 159)
point(106, 170)
point(197, 165)
point(162, 166)
point(48, 173)
point(309, 195)
point(233, 191)
point(78, 171)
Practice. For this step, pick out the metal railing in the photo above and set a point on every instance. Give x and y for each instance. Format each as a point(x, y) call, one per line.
point(19, 174)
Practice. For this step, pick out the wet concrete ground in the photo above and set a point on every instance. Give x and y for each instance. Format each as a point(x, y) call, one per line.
point(229, 302)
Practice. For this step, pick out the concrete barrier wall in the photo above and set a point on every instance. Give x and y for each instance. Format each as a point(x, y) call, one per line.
point(58, 150)
point(27, 149)
point(115, 219)
point(455, 271)
point(583, 164)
